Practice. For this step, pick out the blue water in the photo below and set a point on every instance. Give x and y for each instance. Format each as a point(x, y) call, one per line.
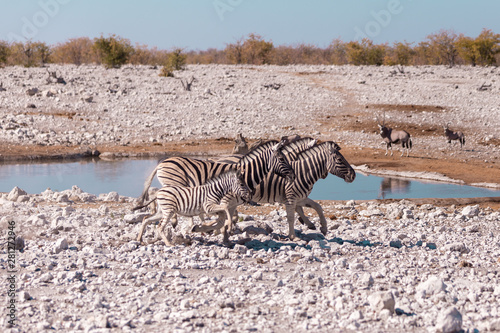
point(127, 176)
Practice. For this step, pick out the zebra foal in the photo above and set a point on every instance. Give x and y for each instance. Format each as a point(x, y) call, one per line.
point(220, 194)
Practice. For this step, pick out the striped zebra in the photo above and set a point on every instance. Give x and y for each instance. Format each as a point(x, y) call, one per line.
point(309, 166)
point(255, 165)
point(291, 149)
point(219, 194)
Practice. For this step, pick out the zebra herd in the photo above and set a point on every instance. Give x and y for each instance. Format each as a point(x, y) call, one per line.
point(272, 172)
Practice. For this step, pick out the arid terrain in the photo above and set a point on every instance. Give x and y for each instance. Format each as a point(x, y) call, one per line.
point(385, 265)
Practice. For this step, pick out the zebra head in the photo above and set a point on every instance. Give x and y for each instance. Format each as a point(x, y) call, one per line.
point(238, 186)
point(279, 165)
point(241, 189)
point(340, 167)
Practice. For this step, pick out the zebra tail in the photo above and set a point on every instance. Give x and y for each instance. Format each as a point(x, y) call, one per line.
point(145, 195)
point(145, 205)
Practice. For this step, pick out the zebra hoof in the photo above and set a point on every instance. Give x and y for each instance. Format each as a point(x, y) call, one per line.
point(324, 231)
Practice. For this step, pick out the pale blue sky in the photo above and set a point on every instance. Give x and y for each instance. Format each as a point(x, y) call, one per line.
point(201, 24)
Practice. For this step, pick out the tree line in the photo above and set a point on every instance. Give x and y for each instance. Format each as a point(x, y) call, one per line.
point(442, 48)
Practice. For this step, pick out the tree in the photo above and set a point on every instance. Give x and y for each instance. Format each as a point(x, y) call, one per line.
point(75, 51)
point(399, 54)
point(365, 53)
point(486, 46)
point(355, 53)
point(442, 47)
point(466, 49)
point(176, 61)
point(234, 52)
point(337, 51)
point(256, 50)
point(4, 52)
point(113, 51)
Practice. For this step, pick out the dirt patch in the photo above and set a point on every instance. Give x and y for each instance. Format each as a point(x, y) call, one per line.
point(406, 107)
point(493, 142)
point(358, 122)
point(55, 113)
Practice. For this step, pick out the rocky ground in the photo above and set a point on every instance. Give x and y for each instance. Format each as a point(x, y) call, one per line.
point(384, 266)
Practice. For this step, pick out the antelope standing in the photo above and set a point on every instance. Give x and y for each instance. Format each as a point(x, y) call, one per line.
point(391, 136)
point(450, 135)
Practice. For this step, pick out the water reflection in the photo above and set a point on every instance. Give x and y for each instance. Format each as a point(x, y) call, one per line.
point(127, 176)
point(390, 186)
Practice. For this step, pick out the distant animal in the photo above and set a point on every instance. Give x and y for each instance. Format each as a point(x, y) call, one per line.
point(391, 136)
point(220, 194)
point(450, 135)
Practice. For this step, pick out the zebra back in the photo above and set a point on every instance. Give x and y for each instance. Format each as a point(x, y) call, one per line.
point(191, 201)
point(185, 171)
point(263, 159)
point(292, 149)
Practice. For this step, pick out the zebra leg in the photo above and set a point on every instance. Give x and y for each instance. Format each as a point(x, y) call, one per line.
point(303, 218)
point(147, 220)
point(317, 207)
point(161, 227)
point(175, 221)
point(228, 227)
point(290, 216)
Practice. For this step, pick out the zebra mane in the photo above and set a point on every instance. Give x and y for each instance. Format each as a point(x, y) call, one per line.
point(258, 150)
point(314, 150)
point(299, 145)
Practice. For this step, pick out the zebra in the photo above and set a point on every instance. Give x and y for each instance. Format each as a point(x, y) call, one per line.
point(218, 194)
point(310, 165)
point(184, 171)
point(293, 145)
point(391, 136)
point(450, 135)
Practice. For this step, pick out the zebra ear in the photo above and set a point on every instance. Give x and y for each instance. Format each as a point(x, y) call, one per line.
point(278, 146)
point(312, 143)
point(239, 173)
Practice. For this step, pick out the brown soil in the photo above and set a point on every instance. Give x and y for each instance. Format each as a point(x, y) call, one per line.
point(352, 116)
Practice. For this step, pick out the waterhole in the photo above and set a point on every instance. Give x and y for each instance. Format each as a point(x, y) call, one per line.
point(127, 176)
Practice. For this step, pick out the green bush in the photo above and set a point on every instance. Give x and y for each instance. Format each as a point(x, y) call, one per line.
point(113, 51)
point(176, 61)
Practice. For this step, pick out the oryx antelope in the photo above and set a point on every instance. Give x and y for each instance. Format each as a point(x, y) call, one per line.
point(220, 194)
point(450, 135)
point(391, 136)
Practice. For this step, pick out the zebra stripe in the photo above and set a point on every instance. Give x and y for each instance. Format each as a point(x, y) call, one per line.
point(311, 165)
point(220, 194)
point(184, 171)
